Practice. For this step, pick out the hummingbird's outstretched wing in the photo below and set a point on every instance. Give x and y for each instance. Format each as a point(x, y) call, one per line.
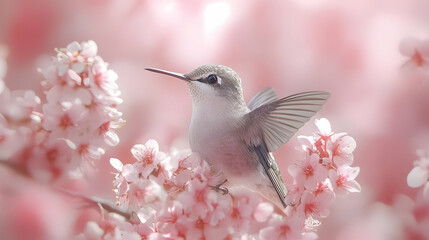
point(276, 122)
point(265, 96)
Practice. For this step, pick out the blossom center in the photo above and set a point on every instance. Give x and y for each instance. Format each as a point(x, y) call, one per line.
point(140, 193)
point(418, 59)
point(83, 149)
point(308, 170)
point(309, 208)
point(284, 230)
point(65, 121)
point(104, 127)
point(341, 180)
point(199, 223)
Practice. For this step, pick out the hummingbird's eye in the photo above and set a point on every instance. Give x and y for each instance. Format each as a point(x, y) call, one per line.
point(212, 79)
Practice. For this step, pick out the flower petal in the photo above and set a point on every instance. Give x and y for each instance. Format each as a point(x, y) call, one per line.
point(417, 177)
point(116, 163)
point(263, 211)
point(324, 126)
point(353, 186)
point(152, 145)
point(130, 172)
point(347, 144)
point(111, 138)
point(89, 49)
point(138, 151)
point(73, 47)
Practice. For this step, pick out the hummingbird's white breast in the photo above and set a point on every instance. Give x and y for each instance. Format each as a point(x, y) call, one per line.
point(213, 118)
point(214, 134)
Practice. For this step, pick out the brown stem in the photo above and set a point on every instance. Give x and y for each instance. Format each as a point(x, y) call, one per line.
point(92, 201)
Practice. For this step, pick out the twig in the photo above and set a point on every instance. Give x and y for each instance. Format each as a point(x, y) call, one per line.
point(93, 201)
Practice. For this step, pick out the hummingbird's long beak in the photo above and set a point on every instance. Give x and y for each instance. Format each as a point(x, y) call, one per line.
point(173, 74)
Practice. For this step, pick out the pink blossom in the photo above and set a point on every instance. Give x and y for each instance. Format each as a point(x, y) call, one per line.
point(280, 228)
point(50, 162)
point(202, 229)
point(222, 206)
point(104, 80)
point(323, 187)
point(125, 174)
point(174, 171)
point(18, 105)
point(62, 94)
point(333, 148)
point(418, 53)
point(343, 179)
point(75, 55)
point(141, 193)
point(308, 171)
point(316, 205)
point(307, 143)
point(113, 227)
point(148, 156)
point(245, 209)
point(342, 149)
point(63, 120)
point(198, 198)
point(294, 193)
point(18, 122)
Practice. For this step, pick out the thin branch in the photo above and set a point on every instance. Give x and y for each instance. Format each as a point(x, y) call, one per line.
point(92, 201)
point(97, 202)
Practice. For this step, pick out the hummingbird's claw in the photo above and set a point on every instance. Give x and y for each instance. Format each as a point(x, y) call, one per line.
point(224, 190)
point(218, 188)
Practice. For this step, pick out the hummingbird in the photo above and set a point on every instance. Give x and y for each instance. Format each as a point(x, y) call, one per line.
point(236, 139)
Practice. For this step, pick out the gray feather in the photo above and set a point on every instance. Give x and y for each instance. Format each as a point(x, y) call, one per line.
point(272, 171)
point(276, 122)
point(265, 96)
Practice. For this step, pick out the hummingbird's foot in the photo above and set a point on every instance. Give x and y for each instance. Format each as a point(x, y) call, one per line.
point(223, 190)
point(219, 188)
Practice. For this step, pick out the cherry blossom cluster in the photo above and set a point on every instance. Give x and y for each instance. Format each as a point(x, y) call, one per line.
point(19, 123)
point(322, 174)
point(76, 123)
point(419, 175)
point(82, 96)
point(172, 196)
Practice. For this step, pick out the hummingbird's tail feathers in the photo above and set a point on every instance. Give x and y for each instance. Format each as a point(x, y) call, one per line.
point(265, 96)
point(272, 171)
point(275, 123)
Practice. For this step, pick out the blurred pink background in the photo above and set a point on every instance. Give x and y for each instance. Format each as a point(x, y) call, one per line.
point(348, 48)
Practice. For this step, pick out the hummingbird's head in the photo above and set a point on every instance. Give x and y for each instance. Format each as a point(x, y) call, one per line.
point(211, 83)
